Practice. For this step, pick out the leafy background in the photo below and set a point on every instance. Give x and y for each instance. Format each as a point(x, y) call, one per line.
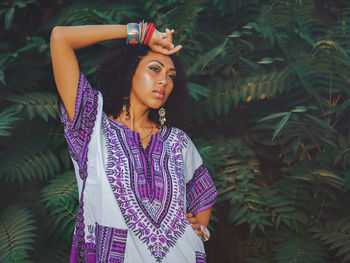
point(270, 115)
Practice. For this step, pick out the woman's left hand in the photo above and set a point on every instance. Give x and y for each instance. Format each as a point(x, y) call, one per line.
point(195, 225)
point(163, 42)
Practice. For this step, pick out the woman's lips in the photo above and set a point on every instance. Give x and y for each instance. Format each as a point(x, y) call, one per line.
point(158, 93)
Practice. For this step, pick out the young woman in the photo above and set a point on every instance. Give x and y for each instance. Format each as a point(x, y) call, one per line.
point(144, 193)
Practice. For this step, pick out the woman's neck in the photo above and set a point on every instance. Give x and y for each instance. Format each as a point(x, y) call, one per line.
point(138, 118)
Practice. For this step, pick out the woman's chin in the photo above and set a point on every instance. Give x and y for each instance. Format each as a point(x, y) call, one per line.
point(156, 104)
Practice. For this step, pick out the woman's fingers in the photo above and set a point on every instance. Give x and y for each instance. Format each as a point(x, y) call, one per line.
point(162, 42)
point(192, 220)
point(165, 51)
point(188, 215)
point(196, 227)
point(169, 35)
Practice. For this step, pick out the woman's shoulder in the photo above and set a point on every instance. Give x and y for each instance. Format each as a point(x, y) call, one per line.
point(177, 131)
point(181, 136)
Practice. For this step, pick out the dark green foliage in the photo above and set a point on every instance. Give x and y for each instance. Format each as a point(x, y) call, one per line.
point(28, 161)
point(270, 116)
point(60, 198)
point(299, 251)
point(336, 234)
point(7, 116)
point(43, 104)
point(16, 233)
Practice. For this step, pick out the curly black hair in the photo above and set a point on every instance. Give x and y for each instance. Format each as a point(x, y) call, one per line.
point(114, 78)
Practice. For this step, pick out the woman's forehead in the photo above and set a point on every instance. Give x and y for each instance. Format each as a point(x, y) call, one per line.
point(154, 56)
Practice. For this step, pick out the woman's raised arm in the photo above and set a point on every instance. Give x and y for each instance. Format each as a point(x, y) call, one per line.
point(64, 40)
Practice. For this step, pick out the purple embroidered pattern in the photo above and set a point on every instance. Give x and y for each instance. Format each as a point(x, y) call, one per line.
point(200, 257)
point(111, 244)
point(149, 199)
point(78, 135)
point(200, 191)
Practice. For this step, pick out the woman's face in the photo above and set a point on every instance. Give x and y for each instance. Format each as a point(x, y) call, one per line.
point(153, 80)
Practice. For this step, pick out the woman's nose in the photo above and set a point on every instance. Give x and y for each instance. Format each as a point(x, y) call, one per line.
point(163, 80)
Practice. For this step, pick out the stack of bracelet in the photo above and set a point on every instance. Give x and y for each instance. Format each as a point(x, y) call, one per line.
point(140, 33)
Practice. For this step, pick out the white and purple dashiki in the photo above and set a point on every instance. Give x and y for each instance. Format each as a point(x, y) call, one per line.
point(132, 201)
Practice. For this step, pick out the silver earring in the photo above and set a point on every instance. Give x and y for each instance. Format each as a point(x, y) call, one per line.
point(162, 118)
point(126, 105)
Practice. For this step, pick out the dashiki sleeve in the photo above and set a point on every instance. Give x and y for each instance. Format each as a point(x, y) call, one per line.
point(78, 132)
point(200, 189)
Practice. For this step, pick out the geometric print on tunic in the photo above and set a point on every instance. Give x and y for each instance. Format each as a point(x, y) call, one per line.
point(200, 257)
point(78, 135)
point(200, 191)
point(111, 244)
point(148, 184)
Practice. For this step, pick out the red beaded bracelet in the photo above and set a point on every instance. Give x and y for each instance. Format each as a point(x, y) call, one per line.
point(150, 29)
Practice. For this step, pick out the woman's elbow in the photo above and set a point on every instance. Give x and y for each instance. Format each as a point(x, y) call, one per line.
point(56, 33)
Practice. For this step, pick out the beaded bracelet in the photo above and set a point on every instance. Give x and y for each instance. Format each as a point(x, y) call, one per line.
point(150, 29)
point(140, 33)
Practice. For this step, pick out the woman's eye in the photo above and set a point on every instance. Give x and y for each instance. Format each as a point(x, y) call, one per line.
point(156, 69)
point(171, 76)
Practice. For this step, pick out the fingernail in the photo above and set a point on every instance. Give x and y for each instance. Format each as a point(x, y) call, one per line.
point(171, 46)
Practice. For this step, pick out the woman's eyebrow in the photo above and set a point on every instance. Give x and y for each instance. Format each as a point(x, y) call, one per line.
point(172, 69)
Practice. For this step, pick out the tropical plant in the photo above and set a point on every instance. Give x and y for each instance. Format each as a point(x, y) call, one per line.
point(269, 113)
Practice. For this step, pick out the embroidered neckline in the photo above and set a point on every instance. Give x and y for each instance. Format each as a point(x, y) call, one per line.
point(135, 132)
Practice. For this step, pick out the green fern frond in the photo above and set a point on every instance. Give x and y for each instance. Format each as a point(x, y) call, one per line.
point(343, 155)
point(299, 250)
point(7, 117)
point(60, 198)
point(184, 15)
point(327, 71)
point(304, 131)
point(43, 104)
point(342, 30)
point(61, 189)
point(28, 161)
point(16, 231)
point(336, 235)
point(92, 12)
point(230, 92)
point(20, 256)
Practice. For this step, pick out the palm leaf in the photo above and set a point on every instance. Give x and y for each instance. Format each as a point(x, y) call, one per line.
point(336, 235)
point(60, 198)
point(20, 256)
point(7, 117)
point(16, 230)
point(27, 161)
point(43, 104)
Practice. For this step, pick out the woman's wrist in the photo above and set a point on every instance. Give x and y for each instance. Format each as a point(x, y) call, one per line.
point(139, 33)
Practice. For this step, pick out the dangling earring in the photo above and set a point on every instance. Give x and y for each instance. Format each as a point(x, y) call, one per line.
point(126, 105)
point(162, 118)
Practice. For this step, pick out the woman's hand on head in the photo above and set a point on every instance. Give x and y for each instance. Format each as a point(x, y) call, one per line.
point(163, 42)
